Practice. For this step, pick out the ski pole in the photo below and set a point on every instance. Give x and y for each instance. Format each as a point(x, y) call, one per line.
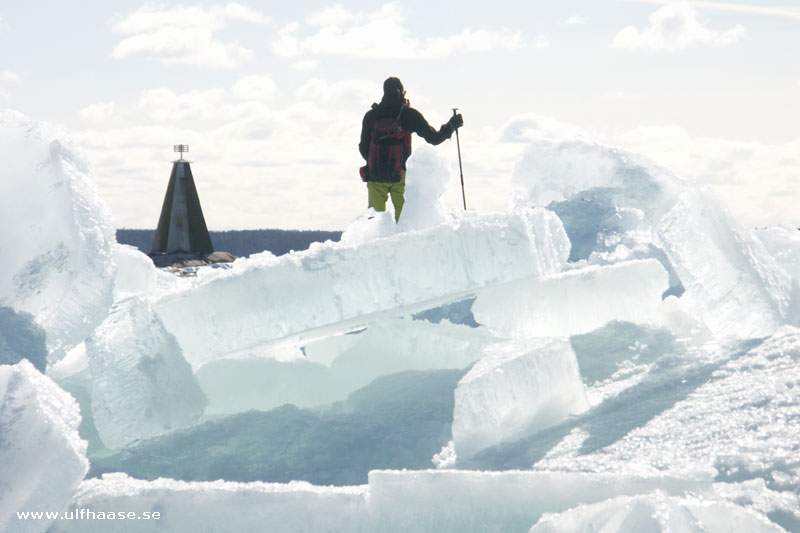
point(460, 168)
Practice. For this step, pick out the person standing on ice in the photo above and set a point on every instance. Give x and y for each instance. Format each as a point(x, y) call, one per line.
point(386, 144)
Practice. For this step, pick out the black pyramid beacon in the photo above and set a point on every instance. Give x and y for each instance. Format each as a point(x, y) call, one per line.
point(182, 234)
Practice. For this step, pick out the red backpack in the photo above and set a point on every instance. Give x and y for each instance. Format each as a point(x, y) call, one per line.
point(389, 147)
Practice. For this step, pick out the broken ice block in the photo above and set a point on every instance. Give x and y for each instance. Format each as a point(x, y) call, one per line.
point(516, 389)
point(573, 302)
point(141, 385)
point(42, 458)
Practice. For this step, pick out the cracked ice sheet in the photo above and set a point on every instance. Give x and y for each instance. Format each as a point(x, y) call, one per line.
point(743, 419)
point(264, 299)
point(426, 500)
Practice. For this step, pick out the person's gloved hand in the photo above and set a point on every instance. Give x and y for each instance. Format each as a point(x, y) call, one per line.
point(456, 121)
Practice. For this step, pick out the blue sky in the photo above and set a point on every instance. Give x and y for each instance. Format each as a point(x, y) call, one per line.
point(270, 95)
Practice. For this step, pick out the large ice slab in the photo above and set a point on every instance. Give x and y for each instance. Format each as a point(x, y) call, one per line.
point(656, 512)
point(729, 276)
point(616, 206)
point(58, 261)
point(141, 385)
point(574, 302)
point(516, 389)
point(264, 299)
point(42, 458)
point(393, 501)
point(166, 505)
point(463, 501)
point(335, 366)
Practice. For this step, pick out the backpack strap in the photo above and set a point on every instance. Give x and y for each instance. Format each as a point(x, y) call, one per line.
point(402, 107)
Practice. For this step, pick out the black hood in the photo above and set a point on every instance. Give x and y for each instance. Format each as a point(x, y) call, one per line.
point(393, 92)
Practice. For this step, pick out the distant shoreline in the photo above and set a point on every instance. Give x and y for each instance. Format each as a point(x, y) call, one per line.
point(240, 243)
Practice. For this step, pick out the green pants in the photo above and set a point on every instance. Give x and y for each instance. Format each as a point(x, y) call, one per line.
point(378, 192)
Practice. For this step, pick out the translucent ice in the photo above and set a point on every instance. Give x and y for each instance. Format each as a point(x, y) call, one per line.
point(616, 206)
point(729, 276)
point(617, 190)
point(517, 389)
point(57, 262)
point(141, 385)
point(136, 274)
point(21, 338)
point(397, 421)
point(335, 366)
point(573, 302)
point(783, 243)
point(42, 458)
point(264, 299)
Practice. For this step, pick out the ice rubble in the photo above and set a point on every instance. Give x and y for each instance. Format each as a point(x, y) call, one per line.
point(42, 458)
point(516, 389)
point(58, 263)
point(632, 230)
point(141, 384)
point(266, 299)
point(615, 206)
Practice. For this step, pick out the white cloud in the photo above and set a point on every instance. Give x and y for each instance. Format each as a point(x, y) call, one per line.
point(383, 34)
point(152, 17)
point(287, 44)
point(100, 112)
point(3, 25)
point(259, 88)
point(577, 20)
point(355, 91)
point(541, 42)
point(675, 27)
point(332, 16)
point(184, 35)
point(305, 65)
point(7, 75)
point(775, 11)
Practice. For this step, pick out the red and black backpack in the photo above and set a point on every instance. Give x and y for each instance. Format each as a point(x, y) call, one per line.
point(389, 147)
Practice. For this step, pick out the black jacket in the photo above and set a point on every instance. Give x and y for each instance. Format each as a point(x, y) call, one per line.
point(411, 120)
